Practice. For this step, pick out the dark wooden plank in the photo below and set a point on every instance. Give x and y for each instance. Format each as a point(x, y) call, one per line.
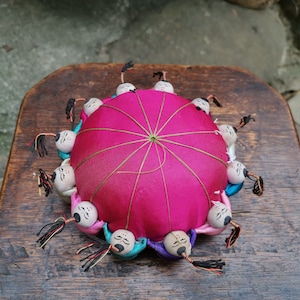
point(265, 262)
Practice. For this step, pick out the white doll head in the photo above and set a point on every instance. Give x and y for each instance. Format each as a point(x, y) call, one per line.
point(219, 215)
point(235, 172)
point(228, 133)
point(178, 242)
point(91, 105)
point(65, 140)
point(63, 177)
point(124, 88)
point(202, 104)
point(85, 214)
point(123, 240)
point(164, 86)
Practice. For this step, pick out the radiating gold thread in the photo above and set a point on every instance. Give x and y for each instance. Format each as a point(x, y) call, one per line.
point(116, 169)
point(129, 116)
point(195, 149)
point(113, 130)
point(107, 149)
point(144, 113)
point(135, 185)
point(189, 169)
point(160, 112)
point(147, 172)
point(172, 116)
point(166, 190)
point(188, 133)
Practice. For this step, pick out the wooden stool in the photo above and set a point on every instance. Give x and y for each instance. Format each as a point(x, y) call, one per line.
point(263, 265)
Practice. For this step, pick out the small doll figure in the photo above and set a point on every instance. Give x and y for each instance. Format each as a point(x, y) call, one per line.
point(64, 142)
point(120, 243)
point(204, 105)
point(219, 216)
point(94, 227)
point(125, 246)
point(163, 85)
point(207, 228)
point(90, 105)
point(125, 87)
point(229, 135)
point(177, 243)
point(85, 216)
point(63, 179)
point(237, 173)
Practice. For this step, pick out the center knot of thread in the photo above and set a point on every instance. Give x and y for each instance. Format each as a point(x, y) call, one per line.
point(153, 138)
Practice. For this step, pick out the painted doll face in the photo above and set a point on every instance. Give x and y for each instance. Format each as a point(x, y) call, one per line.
point(164, 86)
point(64, 177)
point(228, 133)
point(124, 88)
point(178, 242)
point(219, 215)
point(85, 214)
point(123, 240)
point(91, 105)
point(65, 140)
point(202, 104)
point(235, 172)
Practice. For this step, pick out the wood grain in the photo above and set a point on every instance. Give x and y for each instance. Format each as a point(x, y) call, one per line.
point(263, 265)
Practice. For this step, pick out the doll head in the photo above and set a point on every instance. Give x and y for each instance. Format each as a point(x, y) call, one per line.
point(124, 88)
point(65, 140)
point(91, 105)
point(85, 214)
point(228, 133)
point(219, 215)
point(63, 177)
point(164, 86)
point(202, 104)
point(178, 242)
point(236, 172)
point(123, 240)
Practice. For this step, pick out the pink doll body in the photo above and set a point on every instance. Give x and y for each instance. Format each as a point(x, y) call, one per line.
point(92, 229)
point(150, 162)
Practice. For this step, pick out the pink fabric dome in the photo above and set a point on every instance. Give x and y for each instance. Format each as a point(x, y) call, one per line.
point(150, 162)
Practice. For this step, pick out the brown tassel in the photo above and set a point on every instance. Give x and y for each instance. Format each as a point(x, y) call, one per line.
point(70, 109)
point(94, 258)
point(244, 120)
point(38, 144)
point(235, 233)
point(45, 181)
point(258, 187)
point(159, 74)
point(54, 228)
point(214, 266)
point(215, 100)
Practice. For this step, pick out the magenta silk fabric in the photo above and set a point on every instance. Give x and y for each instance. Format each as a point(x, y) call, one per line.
point(150, 162)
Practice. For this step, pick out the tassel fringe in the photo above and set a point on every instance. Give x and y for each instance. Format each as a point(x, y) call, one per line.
point(235, 233)
point(94, 258)
point(45, 181)
point(54, 228)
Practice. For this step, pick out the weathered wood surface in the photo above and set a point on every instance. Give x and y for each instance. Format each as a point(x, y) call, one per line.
point(263, 265)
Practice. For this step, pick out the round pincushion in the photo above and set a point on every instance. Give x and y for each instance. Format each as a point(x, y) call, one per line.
point(151, 168)
point(150, 162)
